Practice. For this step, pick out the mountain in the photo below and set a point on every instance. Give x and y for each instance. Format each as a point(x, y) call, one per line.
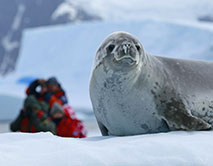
point(206, 18)
point(16, 15)
point(136, 9)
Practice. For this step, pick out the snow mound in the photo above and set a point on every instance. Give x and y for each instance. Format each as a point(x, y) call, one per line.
point(173, 148)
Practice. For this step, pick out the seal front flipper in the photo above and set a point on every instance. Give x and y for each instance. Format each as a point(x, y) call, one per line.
point(183, 120)
point(104, 130)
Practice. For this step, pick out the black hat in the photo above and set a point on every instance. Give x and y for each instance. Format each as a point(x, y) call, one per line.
point(52, 80)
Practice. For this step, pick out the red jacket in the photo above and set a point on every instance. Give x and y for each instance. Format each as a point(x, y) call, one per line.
point(68, 127)
point(26, 126)
point(58, 97)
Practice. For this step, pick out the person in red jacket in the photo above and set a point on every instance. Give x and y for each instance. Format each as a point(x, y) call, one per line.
point(37, 88)
point(33, 117)
point(49, 91)
point(65, 125)
point(56, 93)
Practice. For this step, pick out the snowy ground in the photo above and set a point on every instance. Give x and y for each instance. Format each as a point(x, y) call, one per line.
point(165, 149)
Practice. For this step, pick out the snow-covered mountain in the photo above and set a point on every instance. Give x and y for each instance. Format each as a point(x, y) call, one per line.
point(136, 9)
point(16, 15)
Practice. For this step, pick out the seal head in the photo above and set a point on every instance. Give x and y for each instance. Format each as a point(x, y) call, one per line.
point(122, 49)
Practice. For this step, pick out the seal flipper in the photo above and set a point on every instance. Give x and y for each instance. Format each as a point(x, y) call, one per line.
point(178, 117)
point(104, 130)
point(176, 113)
point(180, 120)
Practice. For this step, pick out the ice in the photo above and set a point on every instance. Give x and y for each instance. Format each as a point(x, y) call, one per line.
point(166, 149)
point(137, 9)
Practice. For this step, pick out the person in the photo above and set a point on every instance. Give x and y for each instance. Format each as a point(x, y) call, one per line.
point(65, 125)
point(49, 91)
point(56, 93)
point(38, 88)
point(33, 117)
point(36, 116)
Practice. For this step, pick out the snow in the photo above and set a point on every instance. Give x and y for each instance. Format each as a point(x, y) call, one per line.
point(65, 8)
point(18, 18)
point(166, 149)
point(10, 107)
point(137, 9)
point(7, 42)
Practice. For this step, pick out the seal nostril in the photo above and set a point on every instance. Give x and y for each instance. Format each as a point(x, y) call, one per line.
point(111, 47)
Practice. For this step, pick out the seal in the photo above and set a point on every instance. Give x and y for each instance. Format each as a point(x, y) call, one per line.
point(133, 92)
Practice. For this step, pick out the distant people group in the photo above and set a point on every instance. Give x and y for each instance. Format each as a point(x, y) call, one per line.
point(46, 109)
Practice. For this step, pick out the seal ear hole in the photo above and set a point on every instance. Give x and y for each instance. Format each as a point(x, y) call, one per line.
point(110, 48)
point(137, 47)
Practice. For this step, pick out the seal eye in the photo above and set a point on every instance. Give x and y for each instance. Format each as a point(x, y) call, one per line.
point(111, 47)
point(138, 47)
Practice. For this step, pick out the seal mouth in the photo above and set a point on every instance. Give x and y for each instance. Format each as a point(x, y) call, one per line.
point(125, 59)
